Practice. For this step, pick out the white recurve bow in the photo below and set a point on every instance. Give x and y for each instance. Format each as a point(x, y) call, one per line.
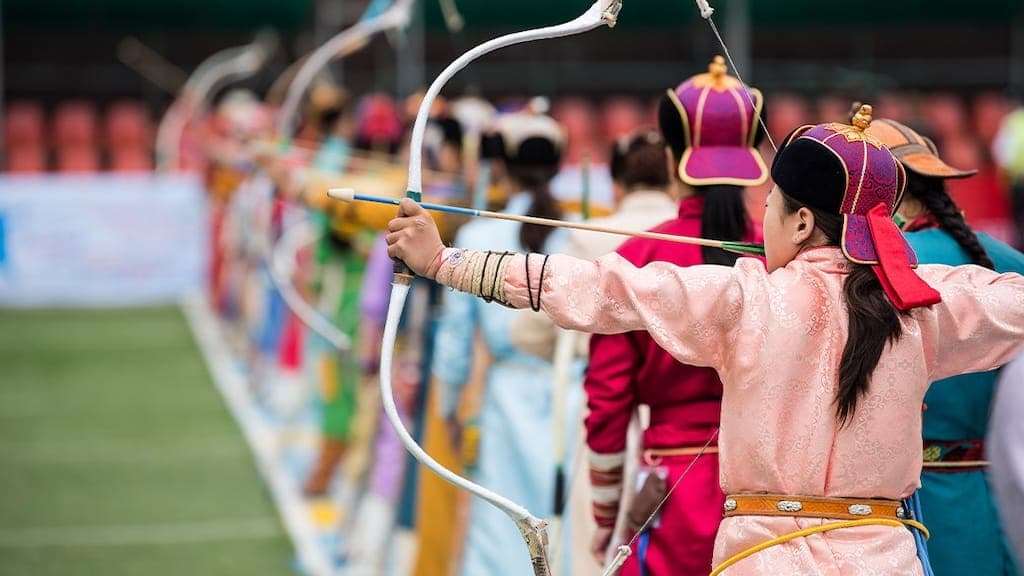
point(533, 529)
point(219, 69)
point(397, 16)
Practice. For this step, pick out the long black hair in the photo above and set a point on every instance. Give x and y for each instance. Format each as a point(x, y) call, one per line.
point(873, 320)
point(537, 180)
point(724, 218)
point(931, 192)
point(531, 166)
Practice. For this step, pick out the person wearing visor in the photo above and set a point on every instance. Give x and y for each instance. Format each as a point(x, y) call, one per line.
point(966, 534)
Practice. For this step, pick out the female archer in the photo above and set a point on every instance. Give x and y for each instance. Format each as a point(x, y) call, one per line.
point(518, 386)
point(824, 356)
point(710, 124)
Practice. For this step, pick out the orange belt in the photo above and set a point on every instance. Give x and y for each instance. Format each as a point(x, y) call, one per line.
point(652, 456)
point(812, 507)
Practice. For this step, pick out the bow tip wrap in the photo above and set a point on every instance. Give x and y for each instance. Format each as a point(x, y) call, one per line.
point(622, 553)
point(455, 23)
point(610, 11)
point(535, 533)
point(705, 9)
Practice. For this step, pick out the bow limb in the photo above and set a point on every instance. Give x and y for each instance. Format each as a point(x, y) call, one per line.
point(453, 20)
point(602, 12)
point(397, 15)
point(282, 266)
point(219, 69)
point(534, 532)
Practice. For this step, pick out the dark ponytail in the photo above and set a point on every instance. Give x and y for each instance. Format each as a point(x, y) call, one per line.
point(536, 179)
point(724, 218)
point(931, 192)
point(873, 321)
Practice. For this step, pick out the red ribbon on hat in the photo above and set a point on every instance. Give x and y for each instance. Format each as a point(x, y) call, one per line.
point(905, 289)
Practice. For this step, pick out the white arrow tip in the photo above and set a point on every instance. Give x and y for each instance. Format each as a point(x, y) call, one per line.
point(343, 194)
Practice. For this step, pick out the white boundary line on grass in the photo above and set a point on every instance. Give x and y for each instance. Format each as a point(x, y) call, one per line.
point(261, 439)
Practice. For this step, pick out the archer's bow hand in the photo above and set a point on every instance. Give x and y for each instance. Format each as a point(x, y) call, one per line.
point(413, 238)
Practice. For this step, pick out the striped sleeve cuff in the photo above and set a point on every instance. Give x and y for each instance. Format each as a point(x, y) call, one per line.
point(606, 482)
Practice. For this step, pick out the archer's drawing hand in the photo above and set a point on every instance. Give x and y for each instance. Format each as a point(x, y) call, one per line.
point(413, 238)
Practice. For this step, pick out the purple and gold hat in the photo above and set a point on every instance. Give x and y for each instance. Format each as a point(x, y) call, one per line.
point(718, 117)
point(845, 170)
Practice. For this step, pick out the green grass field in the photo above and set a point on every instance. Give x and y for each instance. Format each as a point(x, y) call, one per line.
point(117, 456)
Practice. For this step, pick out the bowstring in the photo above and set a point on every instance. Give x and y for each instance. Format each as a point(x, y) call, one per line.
point(661, 504)
point(760, 120)
point(750, 97)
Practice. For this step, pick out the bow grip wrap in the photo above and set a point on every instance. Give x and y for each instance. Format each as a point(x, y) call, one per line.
point(403, 274)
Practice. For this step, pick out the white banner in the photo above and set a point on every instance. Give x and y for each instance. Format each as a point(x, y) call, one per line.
point(101, 240)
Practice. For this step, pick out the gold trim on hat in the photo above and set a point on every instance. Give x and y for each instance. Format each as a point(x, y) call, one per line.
point(716, 77)
point(842, 246)
point(856, 132)
point(742, 106)
point(688, 136)
point(731, 180)
point(699, 116)
point(863, 174)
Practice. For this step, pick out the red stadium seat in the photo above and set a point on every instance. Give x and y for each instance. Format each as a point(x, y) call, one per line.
point(895, 106)
point(784, 113)
point(26, 159)
point(830, 109)
point(74, 124)
point(131, 159)
point(127, 123)
point(78, 159)
point(623, 116)
point(988, 111)
point(24, 124)
point(578, 118)
point(945, 115)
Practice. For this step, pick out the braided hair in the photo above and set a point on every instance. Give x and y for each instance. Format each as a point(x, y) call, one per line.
point(931, 192)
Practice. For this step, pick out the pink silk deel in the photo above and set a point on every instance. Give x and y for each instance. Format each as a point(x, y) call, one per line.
point(776, 340)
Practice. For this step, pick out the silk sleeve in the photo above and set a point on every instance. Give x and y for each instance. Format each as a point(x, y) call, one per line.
point(979, 325)
point(691, 312)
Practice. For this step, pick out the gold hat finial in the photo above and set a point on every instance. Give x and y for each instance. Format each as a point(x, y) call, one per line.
point(862, 119)
point(717, 68)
